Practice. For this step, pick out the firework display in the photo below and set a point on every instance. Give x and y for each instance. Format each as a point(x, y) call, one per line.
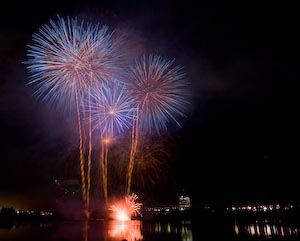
point(69, 58)
point(80, 68)
point(161, 91)
point(112, 111)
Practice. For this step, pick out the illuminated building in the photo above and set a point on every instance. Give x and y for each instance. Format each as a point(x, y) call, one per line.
point(184, 202)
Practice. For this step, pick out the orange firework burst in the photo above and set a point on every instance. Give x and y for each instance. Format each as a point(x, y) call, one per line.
point(124, 210)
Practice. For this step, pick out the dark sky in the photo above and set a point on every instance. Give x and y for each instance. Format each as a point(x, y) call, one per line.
point(239, 141)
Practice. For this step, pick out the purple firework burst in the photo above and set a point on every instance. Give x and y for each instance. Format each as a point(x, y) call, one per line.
point(161, 91)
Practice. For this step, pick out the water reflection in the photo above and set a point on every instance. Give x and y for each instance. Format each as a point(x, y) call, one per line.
point(183, 229)
point(125, 230)
point(186, 234)
point(86, 231)
point(132, 230)
point(266, 228)
point(135, 230)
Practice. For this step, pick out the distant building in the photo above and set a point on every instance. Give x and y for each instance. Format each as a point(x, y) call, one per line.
point(184, 202)
point(7, 212)
point(68, 188)
point(68, 199)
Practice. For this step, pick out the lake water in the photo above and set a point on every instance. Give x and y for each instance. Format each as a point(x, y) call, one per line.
point(135, 230)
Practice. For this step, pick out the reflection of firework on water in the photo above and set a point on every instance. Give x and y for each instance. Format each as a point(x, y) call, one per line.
point(124, 210)
point(161, 91)
point(130, 231)
point(67, 59)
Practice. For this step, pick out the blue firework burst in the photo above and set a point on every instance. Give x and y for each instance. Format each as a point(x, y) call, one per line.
point(68, 57)
point(112, 108)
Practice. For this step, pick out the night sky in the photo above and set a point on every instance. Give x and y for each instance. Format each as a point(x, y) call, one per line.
point(239, 140)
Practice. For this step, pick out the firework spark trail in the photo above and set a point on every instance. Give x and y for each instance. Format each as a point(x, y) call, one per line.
point(134, 142)
point(89, 158)
point(67, 59)
point(103, 162)
point(81, 156)
point(112, 112)
point(161, 92)
point(85, 230)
